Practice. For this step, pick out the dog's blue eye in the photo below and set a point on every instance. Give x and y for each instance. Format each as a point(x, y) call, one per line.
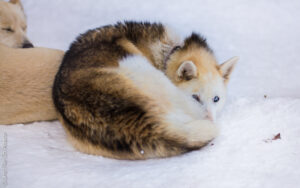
point(8, 30)
point(216, 99)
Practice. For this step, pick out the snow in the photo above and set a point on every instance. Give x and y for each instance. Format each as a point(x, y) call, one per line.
point(265, 34)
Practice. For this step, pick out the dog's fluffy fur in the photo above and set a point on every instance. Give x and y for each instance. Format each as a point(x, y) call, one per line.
point(25, 84)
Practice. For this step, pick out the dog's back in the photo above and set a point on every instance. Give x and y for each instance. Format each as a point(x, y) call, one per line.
point(26, 80)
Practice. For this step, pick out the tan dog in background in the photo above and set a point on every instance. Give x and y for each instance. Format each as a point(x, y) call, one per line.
point(13, 25)
point(26, 80)
point(26, 75)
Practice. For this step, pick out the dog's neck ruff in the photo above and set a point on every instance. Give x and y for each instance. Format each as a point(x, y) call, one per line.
point(174, 49)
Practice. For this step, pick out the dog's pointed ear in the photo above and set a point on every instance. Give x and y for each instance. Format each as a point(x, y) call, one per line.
point(17, 2)
point(186, 71)
point(227, 67)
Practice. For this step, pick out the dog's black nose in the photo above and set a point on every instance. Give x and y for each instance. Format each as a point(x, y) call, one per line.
point(27, 44)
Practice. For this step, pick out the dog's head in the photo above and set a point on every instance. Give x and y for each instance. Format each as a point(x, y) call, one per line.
point(193, 68)
point(13, 25)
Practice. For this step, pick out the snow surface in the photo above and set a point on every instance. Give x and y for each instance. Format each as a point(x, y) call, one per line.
point(266, 36)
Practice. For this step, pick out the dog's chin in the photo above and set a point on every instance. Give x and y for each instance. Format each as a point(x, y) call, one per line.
point(12, 45)
point(25, 44)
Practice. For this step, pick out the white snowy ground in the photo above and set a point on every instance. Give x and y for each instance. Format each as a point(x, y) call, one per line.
point(266, 36)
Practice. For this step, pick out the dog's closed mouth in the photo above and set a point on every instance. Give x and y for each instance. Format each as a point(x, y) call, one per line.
point(27, 44)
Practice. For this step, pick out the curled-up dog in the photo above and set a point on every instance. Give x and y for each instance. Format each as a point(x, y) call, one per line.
point(133, 91)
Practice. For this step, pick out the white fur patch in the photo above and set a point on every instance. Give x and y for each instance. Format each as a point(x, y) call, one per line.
point(136, 63)
point(147, 77)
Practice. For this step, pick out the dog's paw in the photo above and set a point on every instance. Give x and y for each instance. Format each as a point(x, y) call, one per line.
point(201, 131)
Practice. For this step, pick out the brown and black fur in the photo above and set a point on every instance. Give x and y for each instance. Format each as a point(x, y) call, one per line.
point(103, 113)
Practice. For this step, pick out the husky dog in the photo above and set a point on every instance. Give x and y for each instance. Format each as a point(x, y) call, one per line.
point(13, 25)
point(131, 91)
